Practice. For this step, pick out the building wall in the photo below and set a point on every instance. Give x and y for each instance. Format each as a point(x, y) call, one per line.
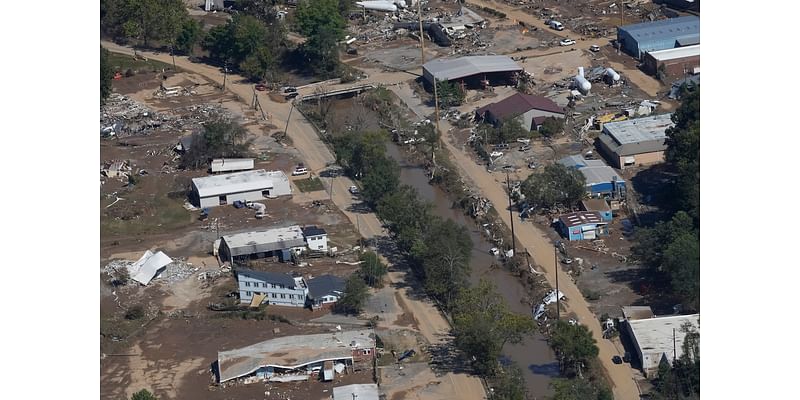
point(319, 242)
point(213, 201)
point(605, 187)
point(280, 188)
point(673, 67)
point(637, 48)
point(642, 159)
point(530, 115)
point(275, 295)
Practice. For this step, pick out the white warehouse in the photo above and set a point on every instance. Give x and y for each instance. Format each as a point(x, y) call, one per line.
point(218, 190)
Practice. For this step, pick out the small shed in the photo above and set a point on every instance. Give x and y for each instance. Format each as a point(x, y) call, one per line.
point(582, 225)
point(600, 206)
point(231, 164)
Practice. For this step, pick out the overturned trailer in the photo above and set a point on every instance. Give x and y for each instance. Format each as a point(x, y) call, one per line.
point(434, 30)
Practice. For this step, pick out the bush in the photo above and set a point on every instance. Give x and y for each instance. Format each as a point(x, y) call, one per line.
point(135, 312)
point(129, 73)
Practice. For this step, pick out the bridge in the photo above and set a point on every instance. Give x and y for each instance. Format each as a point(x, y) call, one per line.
point(338, 92)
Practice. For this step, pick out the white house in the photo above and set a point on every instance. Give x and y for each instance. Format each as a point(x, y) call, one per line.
point(218, 190)
point(659, 339)
point(231, 164)
point(324, 290)
point(271, 288)
point(316, 238)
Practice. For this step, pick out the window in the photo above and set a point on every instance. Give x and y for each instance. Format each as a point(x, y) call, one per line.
point(247, 284)
point(274, 296)
point(291, 297)
point(366, 352)
point(248, 294)
point(283, 295)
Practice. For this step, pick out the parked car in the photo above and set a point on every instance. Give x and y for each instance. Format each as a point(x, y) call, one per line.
point(508, 167)
point(353, 190)
point(289, 89)
point(500, 146)
point(532, 165)
point(594, 48)
point(525, 148)
point(300, 170)
point(616, 360)
point(566, 42)
point(290, 96)
point(496, 154)
point(524, 140)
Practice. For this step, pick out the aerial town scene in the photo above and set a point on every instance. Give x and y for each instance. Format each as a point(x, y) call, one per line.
point(399, 199)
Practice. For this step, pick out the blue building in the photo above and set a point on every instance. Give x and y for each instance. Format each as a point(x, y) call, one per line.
point(600, 206)
point(664, 34)
point(601, 180)
point(582, 225)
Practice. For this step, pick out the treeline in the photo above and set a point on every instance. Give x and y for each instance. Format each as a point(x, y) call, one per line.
point(253, 42)
point(438, 251)
point(671, 250)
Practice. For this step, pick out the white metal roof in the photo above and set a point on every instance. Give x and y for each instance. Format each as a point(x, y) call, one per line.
point(639, 130)
point(655, 335)
point(231, 164)
point(292, 352)
point(236, 182)
point(678, 52)
point(247, 239)
point(144, 270)
point(603, 174)
point(368, 391)
point(453, 68)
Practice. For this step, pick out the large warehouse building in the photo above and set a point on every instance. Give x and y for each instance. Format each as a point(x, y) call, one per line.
point(659, 339)
point(638, 39)
point(218, 190)
point(472, 71)
point(676, 62)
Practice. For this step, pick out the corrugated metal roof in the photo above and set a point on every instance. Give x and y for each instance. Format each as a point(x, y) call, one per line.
point(574, 161)
point(446, 69)
point(664, 29)
point(632, 148)
point(602, 174)
point(264, 241)
point(678, 52)
point(518, 104)
point(236, 182)
point(640, 129)
point(292, 352)
point(581, 218)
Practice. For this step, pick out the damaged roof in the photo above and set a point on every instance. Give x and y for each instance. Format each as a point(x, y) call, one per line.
point(313, 231)
point(519, 104)
point(454, 68)
point(292, 352)
point(325, 285)
point(264, 241)
point(581, 218)
point(637, 136)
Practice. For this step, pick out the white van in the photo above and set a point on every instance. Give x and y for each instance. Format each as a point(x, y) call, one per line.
point(556, 25)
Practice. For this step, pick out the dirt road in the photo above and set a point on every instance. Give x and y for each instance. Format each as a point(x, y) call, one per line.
point(317, 157)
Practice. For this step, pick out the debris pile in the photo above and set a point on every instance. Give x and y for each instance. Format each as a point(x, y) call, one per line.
point(122, 116)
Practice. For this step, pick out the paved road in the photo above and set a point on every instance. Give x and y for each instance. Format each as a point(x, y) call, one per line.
point(317, 157)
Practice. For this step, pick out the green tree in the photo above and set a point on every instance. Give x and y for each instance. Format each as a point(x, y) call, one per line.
point(551, 126)
point(321, 52)
point(574, 346)
point(507, 131)
point(681, 381)
point(357, 151)
point(354, 296)
point(218, 42)
point(247, 43)
point(149, 20)
point(143, 394)
point(450, 94)
point(483, 324)
point(509, 384)
point(380, 179)
point(189, 35)
point(106, 75)
point(579, 389)
point(406, 215)
point(372, 269)
point(445, 254)
point(219, 139)
point(557, 185)
point(683, 152)
point(258, 65)
point(314, 17)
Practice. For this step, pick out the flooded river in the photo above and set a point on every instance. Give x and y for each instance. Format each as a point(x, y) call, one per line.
point(533, 355)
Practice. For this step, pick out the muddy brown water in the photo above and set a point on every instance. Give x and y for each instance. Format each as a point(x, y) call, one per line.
point(533, 355)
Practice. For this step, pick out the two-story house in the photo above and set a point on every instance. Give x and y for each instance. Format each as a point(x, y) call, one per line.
point(271, 288)
point(316, 238)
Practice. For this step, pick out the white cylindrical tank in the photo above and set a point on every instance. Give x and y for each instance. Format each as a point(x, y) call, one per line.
point(611, 74)
point(582, 84)
point(378, 5)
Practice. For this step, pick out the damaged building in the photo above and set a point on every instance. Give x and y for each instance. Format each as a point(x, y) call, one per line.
point(473, 71)
point(532, 110)
point(298, 358)
point(635, 142)
point(279, 242)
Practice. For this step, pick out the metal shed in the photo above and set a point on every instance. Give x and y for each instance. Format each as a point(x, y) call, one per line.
point(467, 67)
point(639, 38)
point(266, 243)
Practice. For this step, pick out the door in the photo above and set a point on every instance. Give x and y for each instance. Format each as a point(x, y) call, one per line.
point(223, 200)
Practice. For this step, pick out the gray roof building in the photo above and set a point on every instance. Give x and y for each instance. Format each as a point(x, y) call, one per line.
point(269, 277)
point(241, 244)
point(637, 136)
point(325, 285)
point(655, 338)
point(368, 391)
point(463, 67)
point(639, 38)
point(580, 218)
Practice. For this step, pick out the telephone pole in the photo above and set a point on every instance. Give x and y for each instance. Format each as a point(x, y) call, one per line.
point(511, 215)
point(558, 298)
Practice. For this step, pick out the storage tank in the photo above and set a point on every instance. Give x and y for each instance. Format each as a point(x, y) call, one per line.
point(581, 83)
point(378, 5)
point(612, 75)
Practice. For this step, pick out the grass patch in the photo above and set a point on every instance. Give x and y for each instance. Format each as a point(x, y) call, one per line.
point(123, 62)
point(158, 214)
point(309, 185)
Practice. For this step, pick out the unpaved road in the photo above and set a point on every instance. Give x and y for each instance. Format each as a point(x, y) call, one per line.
point(540, 247)
point(317, 157)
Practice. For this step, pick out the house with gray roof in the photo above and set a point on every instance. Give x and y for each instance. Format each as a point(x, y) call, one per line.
point(280, 242)
point(635, 142)
point(265, 287)
point(324, 290)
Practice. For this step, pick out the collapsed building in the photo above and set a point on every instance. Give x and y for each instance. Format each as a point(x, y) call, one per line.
point(298, 358)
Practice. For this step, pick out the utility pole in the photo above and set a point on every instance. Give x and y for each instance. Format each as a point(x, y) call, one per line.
point(558, 298)
point(511, 214)
point(674, 348)
point(286, 130)
point(225, 75)
point(421, 35)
